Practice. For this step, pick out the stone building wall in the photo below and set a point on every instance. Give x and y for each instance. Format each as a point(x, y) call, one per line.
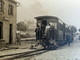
point(8, 20)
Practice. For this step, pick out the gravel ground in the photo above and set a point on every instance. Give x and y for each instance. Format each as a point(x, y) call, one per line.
point(66, 52)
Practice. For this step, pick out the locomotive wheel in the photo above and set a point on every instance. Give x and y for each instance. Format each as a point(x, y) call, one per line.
point(45, 46)
point(52, 47)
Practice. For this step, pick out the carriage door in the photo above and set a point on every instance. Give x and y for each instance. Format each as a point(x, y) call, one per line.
point(10, 34)
point(1, 30)
point(44, 23)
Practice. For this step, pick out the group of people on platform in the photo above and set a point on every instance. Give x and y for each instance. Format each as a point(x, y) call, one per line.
point(44, 33)
point(50, 34)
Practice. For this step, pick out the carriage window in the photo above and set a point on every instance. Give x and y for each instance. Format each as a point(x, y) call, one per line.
point(66, 26)
point(53, 24)
point(39, 24)
point(60, 22)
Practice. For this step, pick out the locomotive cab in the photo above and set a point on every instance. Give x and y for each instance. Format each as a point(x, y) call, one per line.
point(49, 26)
point(47, 22)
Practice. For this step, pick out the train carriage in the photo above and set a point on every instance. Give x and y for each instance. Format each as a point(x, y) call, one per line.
point(59, 30)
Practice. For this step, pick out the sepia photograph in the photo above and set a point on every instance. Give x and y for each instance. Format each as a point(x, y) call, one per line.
point(39, 30)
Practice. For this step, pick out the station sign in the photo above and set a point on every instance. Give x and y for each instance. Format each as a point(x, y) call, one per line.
point(6, 18)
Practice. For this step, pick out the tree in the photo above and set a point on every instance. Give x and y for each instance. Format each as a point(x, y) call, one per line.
point(79, 30)
point(21, 26)
point(74, 29)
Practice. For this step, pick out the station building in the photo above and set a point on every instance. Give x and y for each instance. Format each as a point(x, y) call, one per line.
point(8, 17)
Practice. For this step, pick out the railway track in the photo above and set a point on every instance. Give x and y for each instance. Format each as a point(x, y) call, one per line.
point(22, 55)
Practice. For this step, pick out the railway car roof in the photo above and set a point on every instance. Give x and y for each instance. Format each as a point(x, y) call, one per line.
point(45, 17)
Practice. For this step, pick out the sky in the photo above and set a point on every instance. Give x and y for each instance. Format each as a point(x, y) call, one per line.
point(67, 10)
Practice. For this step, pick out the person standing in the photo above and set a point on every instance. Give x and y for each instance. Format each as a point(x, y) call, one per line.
point(68, 39)
point(37, 32)
point(18, 39)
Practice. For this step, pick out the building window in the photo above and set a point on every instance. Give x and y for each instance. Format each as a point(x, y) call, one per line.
point(10, 10)
point(1, 6)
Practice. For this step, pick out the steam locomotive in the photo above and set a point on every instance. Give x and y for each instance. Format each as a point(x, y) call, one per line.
point(53, 31)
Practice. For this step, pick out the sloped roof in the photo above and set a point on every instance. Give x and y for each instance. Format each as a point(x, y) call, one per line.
point(45, 17)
